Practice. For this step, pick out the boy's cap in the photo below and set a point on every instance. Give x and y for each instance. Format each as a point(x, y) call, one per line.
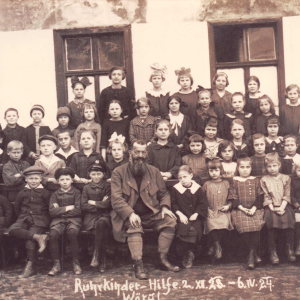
point(48, 137)
point(64, 171)
point(63, 111)
point(38, 107)
point(97, 166)
point(33, 170)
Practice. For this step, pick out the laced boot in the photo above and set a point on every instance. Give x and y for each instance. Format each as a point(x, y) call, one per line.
point(95, 259)
point(140, 273)
point(251, 259)
point(188, 260)
point(290, 252)
point(56, 268)
point(166, 264)
point(76, 267)
point(211, 251)
point(297, 252)
point(257, 258)
point(103, 266)
point(218, 250)
point(273, 256)
point(28, 271)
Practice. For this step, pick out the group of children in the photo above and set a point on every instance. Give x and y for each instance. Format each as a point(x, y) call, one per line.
point(225, 149)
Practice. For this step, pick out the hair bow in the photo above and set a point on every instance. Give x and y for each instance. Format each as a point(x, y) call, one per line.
point(182, 71)
point(117, 138)
point(156, 67)
point(84, 80)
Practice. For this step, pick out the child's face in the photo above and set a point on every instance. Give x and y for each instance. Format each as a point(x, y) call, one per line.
point(33, 180)
point(87, 141)
point(259, 146)
point(185, 178)
point(221, 83)
point(273, 130)
point(63, 120)
point(204, 99)
point(117, 151)
point(297, 172)
point(78, 91)
point(244, 168)
point(237, 103)
point(252, 87)
point(185, 82)
point(157, 81)
point(264, 106)
point(115, 110)
point(290, 146)
point(210, 132)
point(89, 114)
point(64, 140)
point(96, 176)
point(11, 117)
point(15, 154)
point(144, 109)
point(273, 168)
point(227, 154)
point(174, 106)
point(47, 147)
point(37, 116)
point(237, 131)
point(116, 76)
point(195, 147)
point(214, 173)
point(163, 132)
point(293, 96)
point(65, 181)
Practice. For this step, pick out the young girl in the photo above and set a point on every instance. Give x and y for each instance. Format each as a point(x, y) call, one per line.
point(95, 202)
point(291, 157)
point(163, 154)
point(219, 219)
point(220, 96)
point(238, 103)
point(266, 109)
point(277, 204)
point(226, 152)
point(142, 127)
point(252, 96)
point(248, 216)
point(75, 106)
point(116, 124)
point(211, 140)
point(237, 131)
point(88, 113)
point(189, 203)
point(180, 123)
point(157, 96)
point(289, 114)
point(258, 159)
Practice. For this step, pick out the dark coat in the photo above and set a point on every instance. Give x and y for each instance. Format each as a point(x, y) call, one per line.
point(12, 168)
point(6, 212)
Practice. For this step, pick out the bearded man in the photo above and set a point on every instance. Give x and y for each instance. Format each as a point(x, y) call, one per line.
point(140, 200)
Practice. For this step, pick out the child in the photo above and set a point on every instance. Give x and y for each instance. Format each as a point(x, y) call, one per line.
point(65, 212)
point(196, 160)
point(95, 202)
point(289, 114)
point(34, 131)
point(75, 106)
point(6, 213)
point(291, 157)
point(48, 161)
point(189, 203)
point(226, 151)
point(31, 208)
point(247, 213)
point(258, 159)
point(220, 96)
point(211, 140)
point(252, 96)
point(238, 103)
point(88, 113)
point(277, 204)
point(116, 124)
point(66, 151)
point(163, 154)
point(219, 219)
point(266, 109)
point(181, 124)
point(13, 169)
point(237, 131)
point(142, 127)
point(82, 160)
point(63, 117)
point(157, 96)
point(116, 92)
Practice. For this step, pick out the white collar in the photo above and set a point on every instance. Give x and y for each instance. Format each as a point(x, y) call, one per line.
point(243, 179)
point(28, 187)
point(176, 121)
point(157, 93)
point(181, 189)
point(61, 152)
point(277, 141)
point(295, 158)
point(46, 162)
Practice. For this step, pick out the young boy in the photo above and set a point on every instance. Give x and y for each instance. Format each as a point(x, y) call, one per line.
point(33, 132)
point(63, 117)
point(66, 218)
point(66, 150)
point(48, 161)
point(290, 149)
point(13, 169)
point(31, 208)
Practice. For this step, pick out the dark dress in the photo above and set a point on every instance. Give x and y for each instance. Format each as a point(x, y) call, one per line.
point(275, 146)
point(260, 124)
point(252, 105)
point(289, 119)
point(112, 165)
point(242, 151)
point(258, 165)
point(224, 102)
point(158, 102)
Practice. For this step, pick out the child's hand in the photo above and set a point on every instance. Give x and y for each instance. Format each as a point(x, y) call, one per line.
point(193, 217)
point(243, 209)
point(18, 175)
point(168, 175)
point(225, 208)
point(70, 207)
point(85, 181)
point(180, 146)
point(252, 211)
point(105, 198)
point(165, 178)
point(1, 151)
point(92, 202)
point(35, 156)
point(53, 180)
point(271, 207)
point(149, 143)
point(55, 205)
point(108, 180)
point(183, 218)
point(280, 211)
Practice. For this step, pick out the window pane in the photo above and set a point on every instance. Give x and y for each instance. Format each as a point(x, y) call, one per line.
point(111, 51)
point(89, 91)
point(261, 43)
point(79, 54)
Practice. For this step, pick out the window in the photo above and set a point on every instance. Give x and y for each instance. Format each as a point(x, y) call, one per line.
point(91, 53)
point(244, 50)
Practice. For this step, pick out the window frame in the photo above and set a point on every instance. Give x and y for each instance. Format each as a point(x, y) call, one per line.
point(61, 71)
point(279, 62)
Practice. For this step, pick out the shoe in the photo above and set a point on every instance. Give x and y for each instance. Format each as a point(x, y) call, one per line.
point(257, 258)
point(140, 273)
point(28, 271)
point(218, 250)
point(188, 260)
point(95, 259)
point(42, 240)
point(76, 267)
point(290, 253)
point(102, 266)
point(273, 257)
point(166, 264)
point(297, 252)
point(211, 251)
point(251, 259)
point(56, 268)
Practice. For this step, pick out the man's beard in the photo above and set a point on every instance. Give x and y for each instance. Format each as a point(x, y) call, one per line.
point(137, 167)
